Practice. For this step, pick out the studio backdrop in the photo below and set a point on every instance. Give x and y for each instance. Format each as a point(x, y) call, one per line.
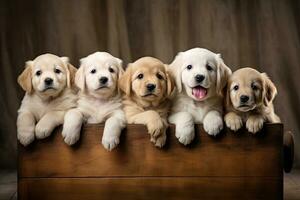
point(262, 34)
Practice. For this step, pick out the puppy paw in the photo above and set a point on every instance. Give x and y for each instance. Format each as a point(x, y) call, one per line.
point(70, 138)
point(233, 121)
point(160, 141)
point(213, 124)
point(25, 138)
point(110, 142)
point(185, 135)
point(254, 124)
point(155, 128)
point(42, 130)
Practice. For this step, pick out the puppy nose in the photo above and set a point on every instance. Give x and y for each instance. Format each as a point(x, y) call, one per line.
point(151, 87)
point(199, 78)
point(244, 98)
point(48, 81)
point(103, 80)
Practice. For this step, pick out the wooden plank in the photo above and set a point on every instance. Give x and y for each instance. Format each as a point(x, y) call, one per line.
point(151, 188)
point(239, 154)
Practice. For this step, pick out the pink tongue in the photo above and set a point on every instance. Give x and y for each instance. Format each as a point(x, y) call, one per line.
point(199, 92)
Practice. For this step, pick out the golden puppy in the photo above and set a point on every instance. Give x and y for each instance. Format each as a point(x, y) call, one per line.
point(47, 81)
point(249, 99)
point(147, 86)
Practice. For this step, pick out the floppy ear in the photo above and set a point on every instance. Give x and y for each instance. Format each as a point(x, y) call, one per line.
point(228, 102)
point(170, 82)
point(80, 78)
point(270, 91)
point(223, 74)
point(24, 79)
point(120, 73)
point(71, 70)
point(125, 81)
point(175, 70)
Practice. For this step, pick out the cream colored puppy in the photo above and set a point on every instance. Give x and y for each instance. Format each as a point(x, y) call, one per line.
point(200, 78)
point(99, 99)
point(47, 81)
point(249, 100)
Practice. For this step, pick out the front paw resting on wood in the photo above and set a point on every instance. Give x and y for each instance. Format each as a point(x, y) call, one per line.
point(254, 123)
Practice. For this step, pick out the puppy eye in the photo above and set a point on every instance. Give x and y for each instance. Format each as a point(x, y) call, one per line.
point(93, 71)
point(236, 87)
point(140, 76)
point(254, 87)
point(159, 76)
point(38, 73)
point(111, 70)
point(208, 67)
point(189, 67)
point(57, 71)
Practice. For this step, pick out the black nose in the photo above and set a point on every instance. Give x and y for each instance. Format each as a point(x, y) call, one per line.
point(244, 98)
point(151, 87)
point(103, 80)
point(48, 81)
point(199, 78)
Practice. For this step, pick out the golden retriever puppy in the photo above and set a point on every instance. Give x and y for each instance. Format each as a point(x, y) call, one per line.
point(249, 100)
point(147, 86)
point(47, 81)
point(99, 99)
point(200, 77)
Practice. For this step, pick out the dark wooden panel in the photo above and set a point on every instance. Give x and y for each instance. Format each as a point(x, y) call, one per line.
point(240, 154)
point(151, 188)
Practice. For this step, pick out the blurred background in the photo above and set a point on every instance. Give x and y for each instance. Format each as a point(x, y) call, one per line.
point(262, 34)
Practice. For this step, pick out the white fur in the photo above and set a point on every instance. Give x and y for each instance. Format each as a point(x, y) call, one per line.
point(41, 111)
point(97, 105)
point(187, 109)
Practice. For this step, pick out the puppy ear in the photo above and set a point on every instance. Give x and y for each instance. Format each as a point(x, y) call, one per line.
point(80, 77)
point(120, 73)
point(175, 70)
point(228, 102)
point(170, 82)
point(125, 81)
point(223, 74)
point(270, 91)
point(71, 70)
point(24, 79)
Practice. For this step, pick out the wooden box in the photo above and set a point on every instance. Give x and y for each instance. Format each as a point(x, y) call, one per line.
point(231, 166)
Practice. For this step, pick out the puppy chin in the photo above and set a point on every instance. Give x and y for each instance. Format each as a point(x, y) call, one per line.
point(245, 108)
point(102, 92)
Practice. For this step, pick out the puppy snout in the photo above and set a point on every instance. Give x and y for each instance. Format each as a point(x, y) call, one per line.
point(244, 98)
point(48, 81)
point(103, 80)
point(199, 78)
point(151, 87)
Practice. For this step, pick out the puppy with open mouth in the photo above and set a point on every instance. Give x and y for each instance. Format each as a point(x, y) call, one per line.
point(147, 86)
point(99, 99)
point(48, 82)
point(249, 100)
point(200, 76)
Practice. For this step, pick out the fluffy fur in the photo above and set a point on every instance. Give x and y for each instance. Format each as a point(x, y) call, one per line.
point(249, 100)
point(200, 76)
point(99, 99)
point(147, 86)
point(47, 81)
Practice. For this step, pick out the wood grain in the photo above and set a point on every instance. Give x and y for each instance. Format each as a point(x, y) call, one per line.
point(151, 188)
point(230, 154)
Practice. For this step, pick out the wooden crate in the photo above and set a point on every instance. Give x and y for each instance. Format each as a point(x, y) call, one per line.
point(230, 166)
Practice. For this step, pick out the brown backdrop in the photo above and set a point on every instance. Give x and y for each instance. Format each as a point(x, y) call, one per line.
point(264, 34)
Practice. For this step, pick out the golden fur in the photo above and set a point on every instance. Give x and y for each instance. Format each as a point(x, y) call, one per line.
point(142, 106)
point(260, 92)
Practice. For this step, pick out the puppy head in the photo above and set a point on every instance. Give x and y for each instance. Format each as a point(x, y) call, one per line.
point(248, 89)
point(98, 74)
point(147, 79)
point(200, 73)
point(47, 75)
